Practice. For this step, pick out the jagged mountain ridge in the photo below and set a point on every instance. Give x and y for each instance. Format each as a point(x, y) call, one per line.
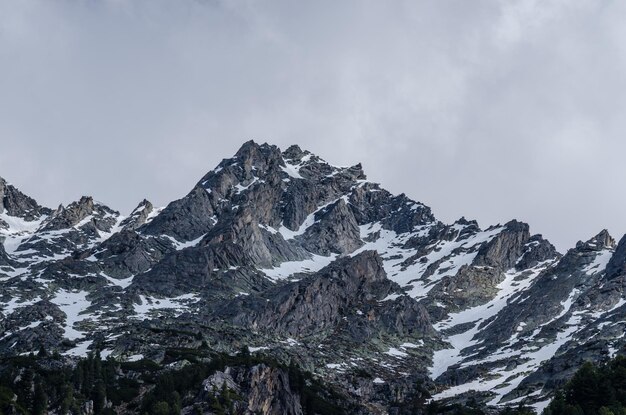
point(312, 263)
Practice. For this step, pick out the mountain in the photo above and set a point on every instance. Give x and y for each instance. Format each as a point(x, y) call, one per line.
point(315, 267)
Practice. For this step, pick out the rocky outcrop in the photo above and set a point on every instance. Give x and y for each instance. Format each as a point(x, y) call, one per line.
point(470, 287)
point(78, 226)
point(269, 392)
point(84, 213)
point(138, 216)
point(15, 203)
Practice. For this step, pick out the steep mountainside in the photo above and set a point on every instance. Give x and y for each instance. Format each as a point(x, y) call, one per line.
point(315, 266)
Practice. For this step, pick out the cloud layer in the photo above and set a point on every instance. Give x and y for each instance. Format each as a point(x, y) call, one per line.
point(488, 109)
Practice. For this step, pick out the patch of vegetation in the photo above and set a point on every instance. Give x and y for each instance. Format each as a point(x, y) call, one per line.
point(594, 390)
point(38, 384)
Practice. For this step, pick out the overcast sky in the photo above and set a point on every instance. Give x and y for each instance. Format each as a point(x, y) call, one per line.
point(486, 109)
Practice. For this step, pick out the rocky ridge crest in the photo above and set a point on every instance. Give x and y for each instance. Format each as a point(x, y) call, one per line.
point(313, 265)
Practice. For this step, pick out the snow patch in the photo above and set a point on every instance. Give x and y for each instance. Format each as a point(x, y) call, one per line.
point(510, 286)
point(599, 262)
point(182, 245)
point(287, 269)
point(151, 304)
point(73, 304)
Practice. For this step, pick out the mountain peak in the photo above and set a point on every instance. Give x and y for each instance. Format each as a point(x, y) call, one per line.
point(85, 201)
point(73, 214)
point(294, 152)
point(251, 149)
point(16, 203)
point(603, 240)
point(139, 215)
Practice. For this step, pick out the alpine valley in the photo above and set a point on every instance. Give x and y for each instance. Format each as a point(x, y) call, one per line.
point(281, 284)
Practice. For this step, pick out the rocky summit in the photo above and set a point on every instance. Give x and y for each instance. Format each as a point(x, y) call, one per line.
point(319, 280)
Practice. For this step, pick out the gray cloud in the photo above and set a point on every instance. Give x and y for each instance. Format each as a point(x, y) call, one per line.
point(488, 109)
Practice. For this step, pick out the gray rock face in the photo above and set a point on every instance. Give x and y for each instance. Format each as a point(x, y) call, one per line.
point(4, 258)
point(313, 265)
point(318, 304)
point(617, 264)
point(126, 254)
point(258, 245)
point(537, 250)
point(334, 232)
point(212, 270)
point(270, 392)
point(503, 251)
point(184, 219)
